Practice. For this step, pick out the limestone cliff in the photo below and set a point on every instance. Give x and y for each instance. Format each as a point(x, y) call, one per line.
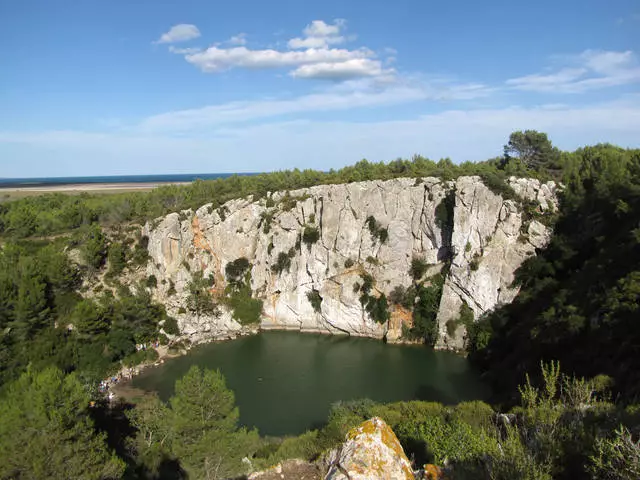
point(373, 227)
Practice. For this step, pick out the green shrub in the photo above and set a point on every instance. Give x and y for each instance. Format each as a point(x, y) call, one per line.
point(372, 260)
point(171, 325)
point(171, 291)
point(310, 235)
point(616, 458)
point(376, 230)
point(349, 262)
point(467, 247)
point(182, 310)
point(283, 262)
point(474, 264)
point(315, 299)
point(236, 270)
point(418, 268)
point(152, 281)
point(141, 356)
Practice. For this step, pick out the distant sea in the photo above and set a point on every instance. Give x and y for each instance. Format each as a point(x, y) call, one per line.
point(124, 179)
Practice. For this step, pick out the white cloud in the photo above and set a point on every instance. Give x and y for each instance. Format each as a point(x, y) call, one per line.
point(180, 33)
point(240, 39)
point(311, 56)
point(319, 34)
point(592, 69)
point(357, 67)
point(215, 59)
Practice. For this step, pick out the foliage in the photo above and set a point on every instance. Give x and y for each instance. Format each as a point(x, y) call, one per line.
point(46, 431)
point(246, 310)
point(532, 148)
point(283, 261)
point(151, 282)
point(349, 262)
point(117, 258)
point(315, 299)
point(578, 299)
point(418, 268)
point(94, 248)
point(616, 458)
point(200, 427)
point(170, 326)
point(310, 235)
point(376, 230)
point(200, 300)
point(236, 270)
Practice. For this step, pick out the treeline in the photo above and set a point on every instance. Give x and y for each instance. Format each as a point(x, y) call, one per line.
point(580, 297)
point(55, 213)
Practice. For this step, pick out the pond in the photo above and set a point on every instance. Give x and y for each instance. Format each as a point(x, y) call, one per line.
point(285, 382)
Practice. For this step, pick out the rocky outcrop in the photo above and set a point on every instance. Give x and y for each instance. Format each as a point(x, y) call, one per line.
point(371, 451)
point(374, 228)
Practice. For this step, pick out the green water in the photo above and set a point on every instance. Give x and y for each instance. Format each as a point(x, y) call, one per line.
point(285, 382)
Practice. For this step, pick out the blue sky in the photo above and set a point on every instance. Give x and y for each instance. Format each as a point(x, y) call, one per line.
point(115, 87)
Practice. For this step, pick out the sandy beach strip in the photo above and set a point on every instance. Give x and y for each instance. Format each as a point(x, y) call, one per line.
point(85, 187)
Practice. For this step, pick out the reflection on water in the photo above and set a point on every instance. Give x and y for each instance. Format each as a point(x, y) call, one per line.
point(285, 382)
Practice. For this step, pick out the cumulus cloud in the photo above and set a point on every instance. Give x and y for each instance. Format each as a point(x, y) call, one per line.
point(592, 69)
point(319, 34)
point(179, 33)
point(312, 56)
point(216, 59)
point(357, 67)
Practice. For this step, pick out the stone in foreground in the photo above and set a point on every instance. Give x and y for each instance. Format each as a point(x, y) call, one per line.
point(370, 452)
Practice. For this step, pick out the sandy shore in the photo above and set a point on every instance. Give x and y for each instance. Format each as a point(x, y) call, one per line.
point(87, 187)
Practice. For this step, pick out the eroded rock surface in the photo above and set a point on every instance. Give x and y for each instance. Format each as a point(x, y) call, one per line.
point(462, 220)
point(371, 451)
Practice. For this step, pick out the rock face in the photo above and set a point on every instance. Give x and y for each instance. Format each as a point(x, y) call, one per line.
point(370, 452)
point(374, 228)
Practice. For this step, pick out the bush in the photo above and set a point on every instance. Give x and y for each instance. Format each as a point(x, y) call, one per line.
point(283, 262)
point(616, 458)
point(141, 356)
point(117, 258)
point(170, 325)
point(152, 281)
point(315, 299)
point(236, 270)
point(310, 235)
point(349, 262)
point(376, 230)
point(418, 268)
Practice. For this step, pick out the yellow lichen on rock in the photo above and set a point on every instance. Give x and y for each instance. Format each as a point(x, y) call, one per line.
point(371, 451)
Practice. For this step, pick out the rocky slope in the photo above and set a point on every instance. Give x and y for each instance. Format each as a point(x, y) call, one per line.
point(485, 237)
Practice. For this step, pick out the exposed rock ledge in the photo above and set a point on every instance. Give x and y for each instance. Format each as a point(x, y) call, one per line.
point(484, 240)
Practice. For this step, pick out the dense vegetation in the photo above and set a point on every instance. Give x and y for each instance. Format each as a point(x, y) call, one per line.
point(67, 321)
point(580, 298)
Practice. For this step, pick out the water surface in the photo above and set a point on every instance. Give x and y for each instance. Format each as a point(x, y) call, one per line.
point(285, 382)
